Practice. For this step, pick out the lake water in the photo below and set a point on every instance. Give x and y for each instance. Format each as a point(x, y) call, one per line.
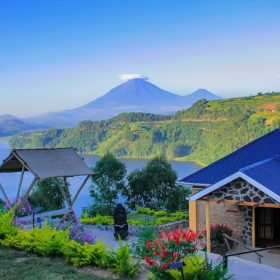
point(10, 181)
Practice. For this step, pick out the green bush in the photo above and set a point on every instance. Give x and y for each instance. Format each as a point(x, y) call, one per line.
point(100, 220)
point(46, 241)
point(6, 224)
point(180, 215)
point(165, 220)
point(160, 213)
point(144, 210)
point(124, 265)
point(134, 222)
point(79, 255)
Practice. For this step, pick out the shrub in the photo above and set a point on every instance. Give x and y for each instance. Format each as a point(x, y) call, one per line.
point(199, 268)
point(102, 220)
point(169, 247)
point(138, 248)
point(47, 241)
point(6, 224)
point(180, 215)
point(134, 222)
point(124, 265)
point(145, 210)
point(193, 266)
point(160, 213)
point(217, 233)
point(85, 254)
point(78, 233)
point(165, 220)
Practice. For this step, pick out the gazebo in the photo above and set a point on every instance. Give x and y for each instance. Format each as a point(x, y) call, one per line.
point(44, 164)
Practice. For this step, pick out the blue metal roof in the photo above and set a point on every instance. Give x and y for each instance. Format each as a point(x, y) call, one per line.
point(266, 172)
point(267, 146)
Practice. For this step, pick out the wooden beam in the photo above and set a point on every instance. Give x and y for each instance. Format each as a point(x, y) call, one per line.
point(4, 194)
point(20, 183)
point(26, 194)
point(267, 205)
point(80, 189)
point(253, 227)
point(208, 226)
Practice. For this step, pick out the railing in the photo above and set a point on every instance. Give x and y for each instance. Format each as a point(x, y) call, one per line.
point(226, 256)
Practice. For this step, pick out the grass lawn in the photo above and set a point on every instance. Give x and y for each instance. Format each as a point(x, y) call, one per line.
point(19, 265)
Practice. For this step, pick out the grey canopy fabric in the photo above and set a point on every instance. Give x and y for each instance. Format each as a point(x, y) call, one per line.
point(46, 163)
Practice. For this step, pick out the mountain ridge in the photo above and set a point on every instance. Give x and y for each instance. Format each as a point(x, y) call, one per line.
point(134, 95)
point(205, 132)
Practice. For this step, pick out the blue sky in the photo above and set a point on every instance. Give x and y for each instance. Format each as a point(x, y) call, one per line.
point(62, 54)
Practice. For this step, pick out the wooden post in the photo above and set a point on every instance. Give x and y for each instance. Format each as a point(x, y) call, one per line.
point(253, 227)
point(193, 215)
point(20, 183)
point(208, 227)
point(26, 194)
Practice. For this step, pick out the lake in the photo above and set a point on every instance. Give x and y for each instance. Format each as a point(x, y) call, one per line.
point(10, 181)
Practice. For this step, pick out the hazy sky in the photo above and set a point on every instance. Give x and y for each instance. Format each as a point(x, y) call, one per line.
point(58, 54)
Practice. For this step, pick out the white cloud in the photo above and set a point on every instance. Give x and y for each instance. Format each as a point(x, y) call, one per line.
point(126, 77)
point(278, 77)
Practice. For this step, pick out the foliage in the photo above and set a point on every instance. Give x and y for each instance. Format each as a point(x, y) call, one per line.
point(7, 226)
point(108, 180)
point(152, 185)
point(138, 248)
point(193, 265)
point(198, 267)
point(169, 247)
point(124, 265)
point(217, 233)
point(78, 233)
point(46, 241)
point(177, 201)
point(101, 220)
point(47, 194)
point(205, 132)
point(180, 215)
point(85, 254)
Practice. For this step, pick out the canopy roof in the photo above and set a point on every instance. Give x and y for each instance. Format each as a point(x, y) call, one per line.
point(267, 146)
point(46, 163)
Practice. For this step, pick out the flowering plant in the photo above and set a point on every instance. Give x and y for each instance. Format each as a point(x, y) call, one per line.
point(217, 233)
point(170, 247)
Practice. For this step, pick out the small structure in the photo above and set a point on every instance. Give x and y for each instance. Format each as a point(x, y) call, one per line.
point(242, 190)
point(44, 164)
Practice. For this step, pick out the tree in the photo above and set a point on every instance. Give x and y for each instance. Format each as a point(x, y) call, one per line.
point(109, 179)
point(47, 194)
point(151, 186)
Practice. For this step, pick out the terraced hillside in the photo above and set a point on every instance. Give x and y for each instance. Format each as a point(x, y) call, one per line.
point(204, 133)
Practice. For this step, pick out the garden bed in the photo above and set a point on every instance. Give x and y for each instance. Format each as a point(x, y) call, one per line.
point(134, 230)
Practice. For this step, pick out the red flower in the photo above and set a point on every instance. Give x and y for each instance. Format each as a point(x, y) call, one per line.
point(150, 262)
point(165, 266)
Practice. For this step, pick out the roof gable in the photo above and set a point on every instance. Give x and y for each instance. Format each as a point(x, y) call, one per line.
point(46, 163)
point(267, 146)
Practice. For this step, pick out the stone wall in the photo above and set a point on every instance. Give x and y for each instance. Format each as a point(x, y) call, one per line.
point(241, 190)
point(238, 217)
point(222, 213)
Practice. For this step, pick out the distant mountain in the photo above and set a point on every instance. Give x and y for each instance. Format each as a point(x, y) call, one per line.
point(10, 125)
point(135, 95)
point(205, 132)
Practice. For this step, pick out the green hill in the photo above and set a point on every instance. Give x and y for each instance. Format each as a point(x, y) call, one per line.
point(204, 133)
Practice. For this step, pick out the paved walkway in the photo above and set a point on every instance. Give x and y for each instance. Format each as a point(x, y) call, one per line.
point(108, 238)
point(247, 270)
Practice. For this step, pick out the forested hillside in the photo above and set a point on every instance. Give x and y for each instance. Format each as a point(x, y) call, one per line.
point(204, 133)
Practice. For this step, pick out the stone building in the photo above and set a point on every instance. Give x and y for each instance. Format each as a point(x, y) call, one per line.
point(241, 190)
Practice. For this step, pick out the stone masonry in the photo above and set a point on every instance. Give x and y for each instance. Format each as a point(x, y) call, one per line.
point(238, 217)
